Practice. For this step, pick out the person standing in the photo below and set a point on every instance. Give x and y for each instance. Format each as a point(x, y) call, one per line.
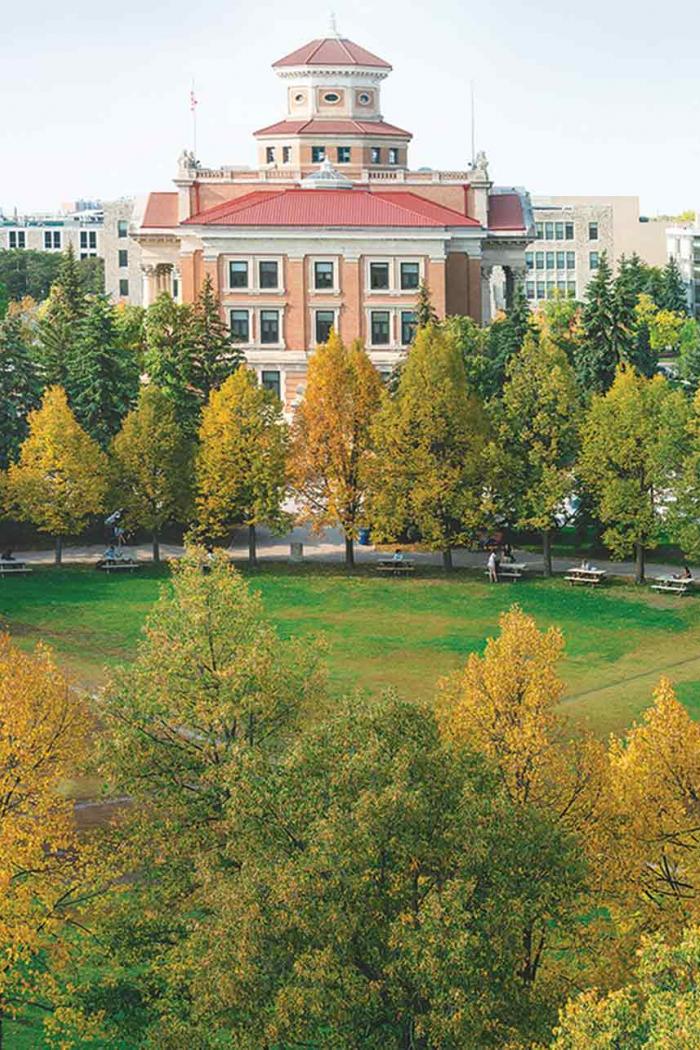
point(492, 565)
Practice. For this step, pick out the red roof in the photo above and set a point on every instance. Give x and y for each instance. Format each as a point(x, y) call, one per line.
point(334, 127)
point(161, 210)
point(506, 212)
point(331, 51)
point(356, 207)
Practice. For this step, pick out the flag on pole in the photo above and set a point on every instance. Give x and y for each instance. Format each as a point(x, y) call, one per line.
point(194, 102)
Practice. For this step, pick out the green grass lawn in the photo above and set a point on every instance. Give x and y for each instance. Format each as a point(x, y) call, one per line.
point(404, 633)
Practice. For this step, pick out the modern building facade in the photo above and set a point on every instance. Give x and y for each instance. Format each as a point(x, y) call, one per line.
point(683, 245)
point(81, 227)
point(572, 233)
point(333, 229)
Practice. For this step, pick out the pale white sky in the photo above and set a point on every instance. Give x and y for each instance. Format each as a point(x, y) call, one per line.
point(594, 97)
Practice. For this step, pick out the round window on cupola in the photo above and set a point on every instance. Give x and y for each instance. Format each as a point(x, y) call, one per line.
point(331, 97)
point(300, 97)
point(364, 98)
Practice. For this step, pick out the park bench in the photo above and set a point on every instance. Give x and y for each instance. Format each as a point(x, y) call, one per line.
point(587, 577)
point(673, 584)
point(118, 564)
point(13, 567)
point(394, 567)
point(511, 570)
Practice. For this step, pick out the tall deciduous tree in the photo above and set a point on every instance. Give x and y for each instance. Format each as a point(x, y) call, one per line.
point(103, 376)
point(539, 434)
point(632, 439)
point(43, 726)
point(19, 388)
point(430, 440)
point(60, 478)
point(241, 462)
point(168, 357)
point(331, 437)
point(152, 466)
point(213, 356)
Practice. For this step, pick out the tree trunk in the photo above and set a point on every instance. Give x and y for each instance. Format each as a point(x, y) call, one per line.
point(58, 559)
point(156, 552)
point(447, 559)
point(547, 551)
point(252, 547)
point(349, 552)
point(639, 563)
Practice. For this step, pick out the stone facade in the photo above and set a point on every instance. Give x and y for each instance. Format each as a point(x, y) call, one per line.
point(122, 254)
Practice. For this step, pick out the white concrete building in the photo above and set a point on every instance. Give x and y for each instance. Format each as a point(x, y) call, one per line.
point(53, 232)
point(683, 245)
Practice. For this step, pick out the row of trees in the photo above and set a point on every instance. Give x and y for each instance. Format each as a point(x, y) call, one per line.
point(385, 875)
point(27, 273)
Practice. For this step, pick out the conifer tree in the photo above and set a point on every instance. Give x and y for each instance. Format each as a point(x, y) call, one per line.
point(152, 466)
point(425, 311)
point(20, 388)
point(608, 330)
point(331, 437)
point(214, 356)
point(70, 282)
point(168, 357)
point(56, 337)
point(506, 336)
point(241, 461)
point(60, 478)
point(674, 295)
point(430, 440)
point(103, 376)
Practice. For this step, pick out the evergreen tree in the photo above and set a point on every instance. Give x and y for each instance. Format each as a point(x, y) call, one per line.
point(103, 377)
point(425, 311)
point(674, 295)
point(168, 358)
point(689, 353)
point(20, 388)
point(56, 337)
point(506, 336)
point(608, 330)
point(633, 276)
point(4, 300)
point(214, 356)
point(70, 281)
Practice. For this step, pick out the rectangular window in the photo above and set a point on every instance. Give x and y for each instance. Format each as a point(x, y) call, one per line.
point(323, 275)
point(240, 326)
point(88, 239)
point(539, 231)
point(343, 153)
point(549, 231)
point(530, 289)
point(408, 326)
point(410, 275)
point(271, 381)
point(592, 231)
point(122, 228)
point(571, 260)
point(238, 273)
point(325, 320)
point(569, 231)
point(378, 275)
point(561, 260)
point(270, 155)
point(17, 239)
point(123, 258)
point(269, 326)
point(52, 239)
point(571, 288)
point(379, 324)
point(530, 260)
point(559, 230)
point(286, 154)
point(551, 285)
point(539, 260)
point(318, 154)
point(561, 286)
point(541, 290)
point(267, 274)
point(123, 287)
point(376, 155)
point(593, 260)
point(393, 155)
point(550, 260)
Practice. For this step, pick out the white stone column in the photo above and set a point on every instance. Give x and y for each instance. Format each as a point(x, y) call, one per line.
point(148, 278)
point(486, 298)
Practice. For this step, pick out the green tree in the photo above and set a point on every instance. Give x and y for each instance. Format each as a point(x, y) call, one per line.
point(4, 300)
point(70, 281)
point(241, 462)
point(689, 353)
point(57, 332)
point(92, 275)
point(539, 434)
point(559, 320)
point(331, 437)
point(632, 439)
point(25, 272)
point(152, 466)
point(60, 478)
point(425, 311)
point(674, 295)
point(20, 388)
point(213, 356)
point(608, 330)
point(168, 358)
point(483, 368)
point(430, 440)
point(103, 377)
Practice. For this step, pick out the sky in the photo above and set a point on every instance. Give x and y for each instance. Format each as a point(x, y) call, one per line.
point(596, 97)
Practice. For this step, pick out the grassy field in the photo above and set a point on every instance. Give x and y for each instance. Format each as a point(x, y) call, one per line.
point(404, 633)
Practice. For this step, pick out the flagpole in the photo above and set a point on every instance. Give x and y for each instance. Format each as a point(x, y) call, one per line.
point(193, 108)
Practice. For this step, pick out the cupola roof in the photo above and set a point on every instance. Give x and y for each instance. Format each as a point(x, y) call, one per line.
point(331, 51)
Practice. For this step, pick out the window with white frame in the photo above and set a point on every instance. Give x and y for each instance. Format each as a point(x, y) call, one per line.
point(17, 239)
point(343, 154)
point(123, 287)
point(52, 240)
point(393, 155)
point(379, 276)
point(318, 154)
point(324, 322)
point(239, 321)
point(268, 273)
point(376, 155)
point(122, 228)
point(380, 327)
point(408, 326)
point(409, 275)
point(593, 260)
point(324, 275)
point(123, 258)
point(238, 273)
point(88, 239)
point(272, 380)
point(286, 154)
point(269, 327)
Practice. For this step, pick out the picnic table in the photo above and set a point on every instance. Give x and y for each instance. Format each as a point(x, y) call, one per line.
point(673, 584)
point(588, 577)
point(13, 567)
point(118, 564)
point(396, 566)
point(511, 570)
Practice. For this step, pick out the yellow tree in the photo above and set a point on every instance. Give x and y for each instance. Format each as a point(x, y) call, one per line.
point(42, 738)
point(331, 437)
point(60, 478)
point(152, 465)
point(241, 462)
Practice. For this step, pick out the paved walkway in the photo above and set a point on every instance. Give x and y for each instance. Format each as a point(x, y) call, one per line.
point(330, 547)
